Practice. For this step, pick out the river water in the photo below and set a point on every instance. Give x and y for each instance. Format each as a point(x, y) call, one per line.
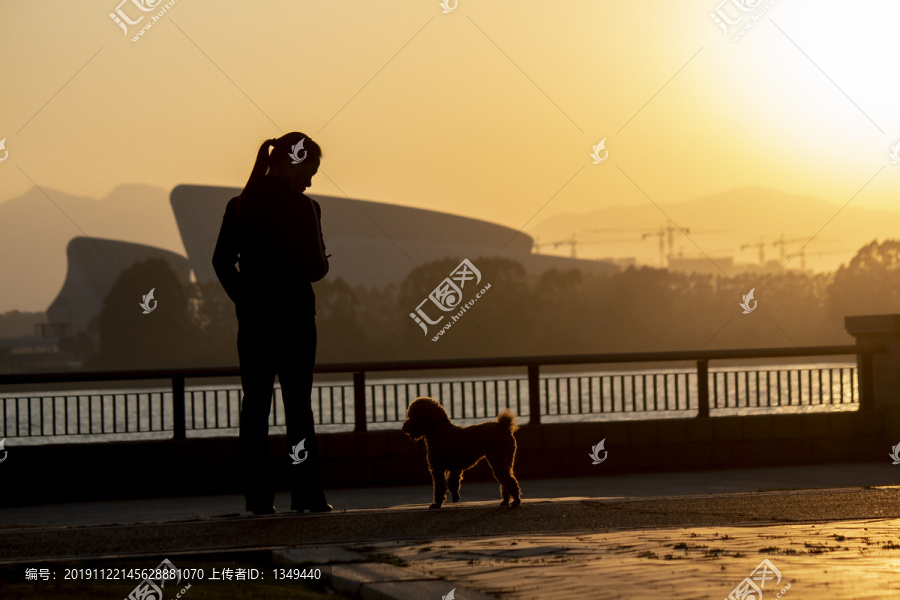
point(624, 392)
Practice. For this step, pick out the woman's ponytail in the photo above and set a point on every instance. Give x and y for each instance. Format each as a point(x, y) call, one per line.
point(261, 165)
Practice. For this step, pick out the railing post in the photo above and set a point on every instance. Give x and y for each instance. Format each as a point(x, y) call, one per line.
point(702, 388)
point(178, 423)
point(866, 381)
point(359, 401)
point(534, 394)
point(879, 374)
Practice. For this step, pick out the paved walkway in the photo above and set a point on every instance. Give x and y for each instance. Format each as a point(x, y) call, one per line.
point(831, 531)
point(858, 560)
point(638, 485)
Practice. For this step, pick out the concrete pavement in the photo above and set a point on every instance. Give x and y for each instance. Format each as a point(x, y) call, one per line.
point(832, 531)
point(841, 560)
point(636, 485)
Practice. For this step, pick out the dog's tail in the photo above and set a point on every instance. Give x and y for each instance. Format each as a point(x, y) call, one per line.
point(508, 420)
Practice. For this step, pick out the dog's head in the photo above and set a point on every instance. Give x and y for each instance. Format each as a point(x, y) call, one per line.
point(423, 416)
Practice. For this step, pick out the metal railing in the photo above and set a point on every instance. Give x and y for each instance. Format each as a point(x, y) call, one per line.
point(361, 402)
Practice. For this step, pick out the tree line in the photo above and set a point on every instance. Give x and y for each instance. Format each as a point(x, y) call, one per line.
point(555, 312)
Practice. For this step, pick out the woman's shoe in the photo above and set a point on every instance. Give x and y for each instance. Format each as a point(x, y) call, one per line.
point(270, 510)
point(322, 508)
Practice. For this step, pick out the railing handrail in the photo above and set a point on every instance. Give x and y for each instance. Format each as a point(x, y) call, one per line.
point(466, 363)
point(533, 364)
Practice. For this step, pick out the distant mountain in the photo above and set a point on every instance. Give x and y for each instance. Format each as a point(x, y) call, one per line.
point(740, 216)
point(35, 229)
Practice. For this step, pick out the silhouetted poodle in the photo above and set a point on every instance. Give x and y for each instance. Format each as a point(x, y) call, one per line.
point(452, 449)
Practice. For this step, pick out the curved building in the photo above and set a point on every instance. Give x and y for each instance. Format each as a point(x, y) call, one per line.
point(371, 243)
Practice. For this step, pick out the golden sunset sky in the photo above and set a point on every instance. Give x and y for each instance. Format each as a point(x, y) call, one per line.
point(487, 111)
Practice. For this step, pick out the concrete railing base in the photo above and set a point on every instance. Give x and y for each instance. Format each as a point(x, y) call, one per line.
point(48, 474)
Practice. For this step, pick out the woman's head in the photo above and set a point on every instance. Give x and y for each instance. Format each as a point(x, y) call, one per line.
point(294, 156)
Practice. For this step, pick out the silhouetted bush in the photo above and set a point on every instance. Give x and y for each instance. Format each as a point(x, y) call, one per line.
point(164, 338)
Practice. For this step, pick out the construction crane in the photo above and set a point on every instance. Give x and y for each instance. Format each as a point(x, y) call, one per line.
point(783, 242)
point(574, 242)
point(802, 253)
point(761, 244)
point(666, 236)
point(665, 233)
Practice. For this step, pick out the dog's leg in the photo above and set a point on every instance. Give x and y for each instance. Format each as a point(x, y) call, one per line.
point(454, 479)
point(513, 486)
point(505, 495)
point(509, 487)
point(440, 485)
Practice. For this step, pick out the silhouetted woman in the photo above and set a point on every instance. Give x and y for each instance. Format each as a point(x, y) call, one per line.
point(274, 232)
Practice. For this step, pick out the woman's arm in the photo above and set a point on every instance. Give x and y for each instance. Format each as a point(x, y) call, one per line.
point(226, 253)
point(320, 270)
